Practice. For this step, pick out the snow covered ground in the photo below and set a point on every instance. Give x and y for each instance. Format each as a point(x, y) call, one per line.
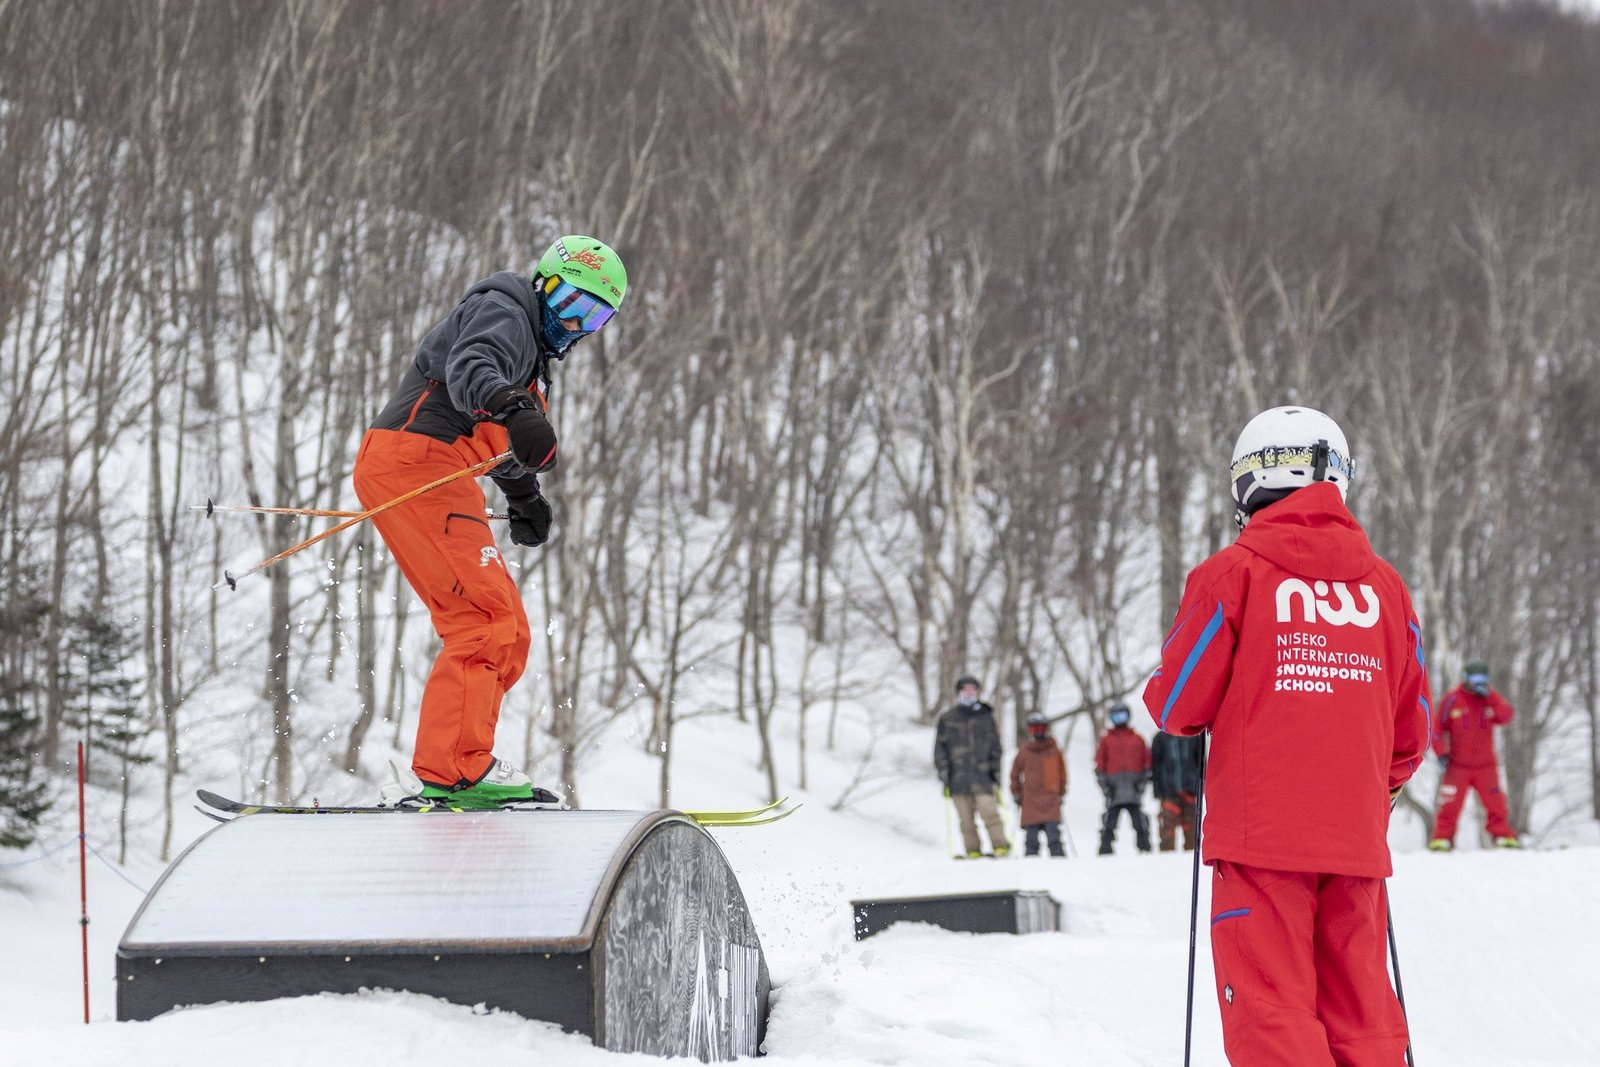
point(1497, 951)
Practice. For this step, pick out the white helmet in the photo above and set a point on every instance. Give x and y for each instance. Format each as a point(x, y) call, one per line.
point(1284, 449)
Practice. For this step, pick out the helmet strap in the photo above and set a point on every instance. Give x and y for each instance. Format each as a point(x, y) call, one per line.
point(1319, 461)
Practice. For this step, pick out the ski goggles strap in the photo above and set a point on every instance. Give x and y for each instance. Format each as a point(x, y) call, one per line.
point(1294, 456)
point(571, 303)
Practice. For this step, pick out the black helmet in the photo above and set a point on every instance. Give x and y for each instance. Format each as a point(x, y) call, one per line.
point(1119, 715)
point(966, 680)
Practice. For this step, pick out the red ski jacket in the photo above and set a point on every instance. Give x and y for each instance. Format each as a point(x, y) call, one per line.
point(1121, 751)
point(1298, 647)
point(1464, 727)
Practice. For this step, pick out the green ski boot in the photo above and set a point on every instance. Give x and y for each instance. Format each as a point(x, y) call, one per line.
point(502, 784)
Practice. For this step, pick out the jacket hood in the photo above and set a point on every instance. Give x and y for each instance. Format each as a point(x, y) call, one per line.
point(516, 287)
point(1311, 533)
point(1043, 744)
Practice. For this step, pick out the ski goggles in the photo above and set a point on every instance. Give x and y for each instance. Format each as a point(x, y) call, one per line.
point(574, 305)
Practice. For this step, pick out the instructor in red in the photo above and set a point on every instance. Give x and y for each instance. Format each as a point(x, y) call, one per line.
point(472, 392)
point(1298, 649)
point(1463, 739)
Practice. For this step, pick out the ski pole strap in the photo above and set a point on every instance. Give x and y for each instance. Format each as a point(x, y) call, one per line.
point(232, 580)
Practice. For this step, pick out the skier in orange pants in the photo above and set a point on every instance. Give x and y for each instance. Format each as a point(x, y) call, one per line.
point(472, 393)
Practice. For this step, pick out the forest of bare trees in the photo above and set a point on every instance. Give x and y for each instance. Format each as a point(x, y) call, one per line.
point(943, 320)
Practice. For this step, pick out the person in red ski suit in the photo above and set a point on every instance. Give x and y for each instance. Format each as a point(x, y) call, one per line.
point(1463, 739)
point(1297, 647)
point(1122, 767)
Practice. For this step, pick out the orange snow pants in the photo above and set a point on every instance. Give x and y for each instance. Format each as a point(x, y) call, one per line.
point(442, 543)
point(1302, 969)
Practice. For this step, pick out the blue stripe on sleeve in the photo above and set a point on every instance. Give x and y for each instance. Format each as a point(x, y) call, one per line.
point(1236, 913)
point(1189, 664)
point(1416, 631)
point(1176, 627)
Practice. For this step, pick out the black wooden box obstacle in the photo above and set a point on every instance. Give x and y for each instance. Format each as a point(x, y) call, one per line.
point(1012, 911)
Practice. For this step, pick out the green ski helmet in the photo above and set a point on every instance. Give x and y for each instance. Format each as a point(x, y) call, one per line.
point(588, 264)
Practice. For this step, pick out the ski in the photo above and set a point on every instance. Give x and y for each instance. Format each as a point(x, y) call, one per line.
point(748, 813)
point(751, 817)
point(759, 817)
point(239, 807)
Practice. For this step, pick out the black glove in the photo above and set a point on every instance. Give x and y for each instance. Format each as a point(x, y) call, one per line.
point(533, 440)
point(530, 519)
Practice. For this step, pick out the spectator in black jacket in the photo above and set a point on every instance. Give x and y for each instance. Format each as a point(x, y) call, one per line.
point(966, 753)
point(1175, 764)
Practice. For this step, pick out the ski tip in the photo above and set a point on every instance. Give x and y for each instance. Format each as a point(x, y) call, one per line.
point(762, 817)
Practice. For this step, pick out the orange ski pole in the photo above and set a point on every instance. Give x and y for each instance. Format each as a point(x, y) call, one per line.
point(232, 579)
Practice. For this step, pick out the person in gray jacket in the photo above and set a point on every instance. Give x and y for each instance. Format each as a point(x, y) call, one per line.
point(475, 392)
point(966, 753)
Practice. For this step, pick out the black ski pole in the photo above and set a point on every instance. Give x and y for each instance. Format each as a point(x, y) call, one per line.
point(1399, 989)
point(1194, 903)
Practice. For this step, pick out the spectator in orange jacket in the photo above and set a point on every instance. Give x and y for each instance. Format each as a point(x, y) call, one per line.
point(1463, 739)
point(1122, 767)
point(1038, 782)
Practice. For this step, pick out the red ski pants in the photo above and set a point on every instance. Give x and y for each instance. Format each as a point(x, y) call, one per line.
point(1302, 975)
point(1458, 782)
point(444, 548)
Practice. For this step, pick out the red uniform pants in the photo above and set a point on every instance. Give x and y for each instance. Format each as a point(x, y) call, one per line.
point(1302, 976)
point(1458, 781)
point(444, 548)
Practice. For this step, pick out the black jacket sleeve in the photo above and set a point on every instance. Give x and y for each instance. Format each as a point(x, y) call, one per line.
point(941, 752)
point(492, 345)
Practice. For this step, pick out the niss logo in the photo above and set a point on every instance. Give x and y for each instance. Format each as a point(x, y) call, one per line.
point(1334, 605)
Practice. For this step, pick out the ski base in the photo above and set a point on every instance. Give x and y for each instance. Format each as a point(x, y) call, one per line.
point(762, 816)
point(239, 807)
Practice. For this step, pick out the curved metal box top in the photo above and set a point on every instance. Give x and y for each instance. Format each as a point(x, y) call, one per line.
point(489, 881)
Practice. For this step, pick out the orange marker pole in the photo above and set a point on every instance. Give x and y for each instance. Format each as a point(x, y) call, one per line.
point(83, 887)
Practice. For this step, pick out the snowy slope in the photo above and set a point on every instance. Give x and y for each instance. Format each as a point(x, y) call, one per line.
point(1496, 954)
